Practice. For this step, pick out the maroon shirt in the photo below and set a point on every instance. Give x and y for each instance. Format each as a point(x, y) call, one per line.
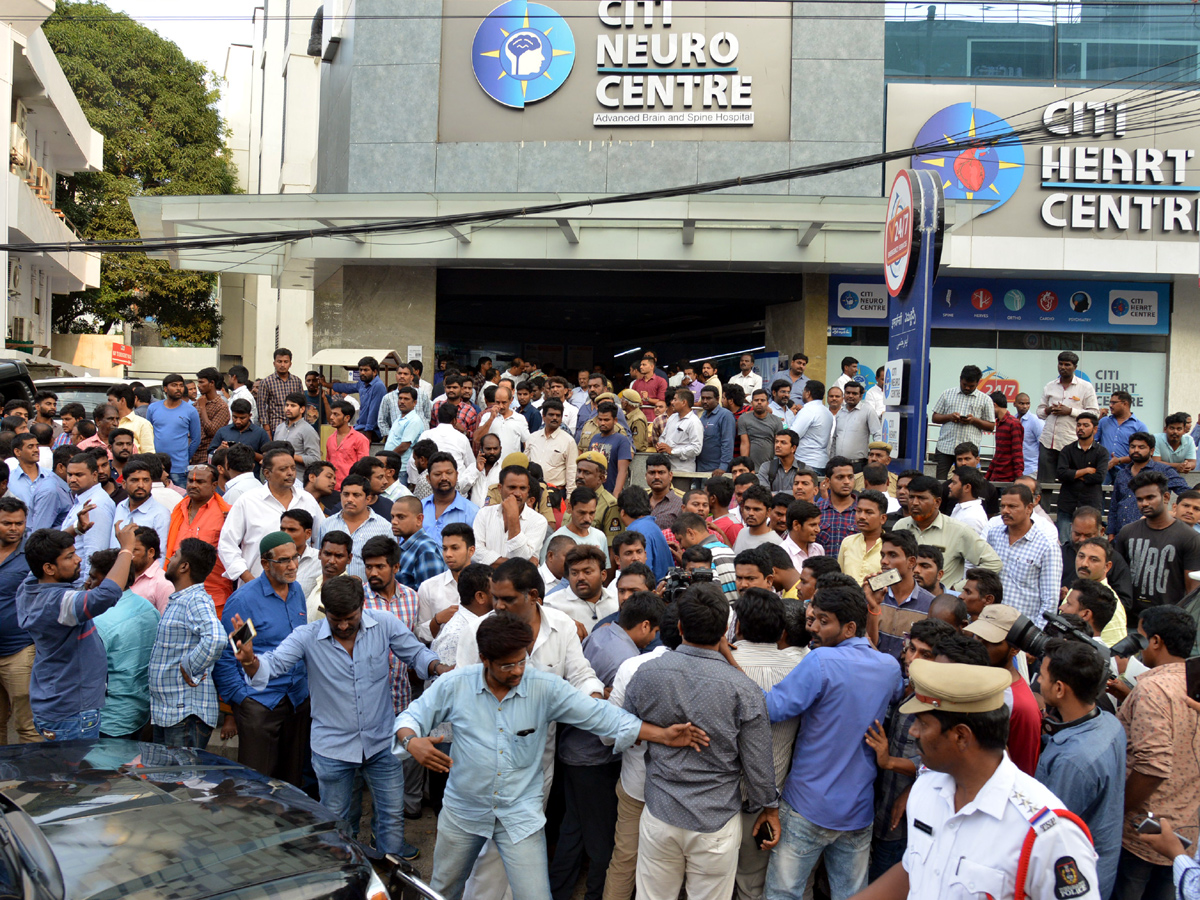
point(1009, 462)
point(654, 389)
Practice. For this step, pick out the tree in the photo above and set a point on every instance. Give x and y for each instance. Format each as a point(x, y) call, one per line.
point(162, 135)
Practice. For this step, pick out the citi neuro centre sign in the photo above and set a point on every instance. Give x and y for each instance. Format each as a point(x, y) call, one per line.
point(576, 69)
point(1083, 163)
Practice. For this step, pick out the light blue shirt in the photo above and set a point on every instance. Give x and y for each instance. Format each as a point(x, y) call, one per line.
point(838, 693)
point(814, 426)
point(1114, 436)
point(1031, 443)
point(405, 430)
point(189, 635)
point(176, 432)
point(1186, 451)
point(460, 510)
point(151, 514)
point(351, 695)
point(497, 747)
point(99, 536)
point(47, 497)
point(128, 631)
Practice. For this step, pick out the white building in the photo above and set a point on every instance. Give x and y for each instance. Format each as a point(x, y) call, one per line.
point(272, 101)
point(48, 136)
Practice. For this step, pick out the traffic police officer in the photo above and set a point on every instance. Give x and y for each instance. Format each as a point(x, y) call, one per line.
point(971, 809)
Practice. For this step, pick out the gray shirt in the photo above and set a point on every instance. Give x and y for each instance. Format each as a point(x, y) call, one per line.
point(856, 428)
point(303, 437)
point(701, 791)
point(762, 436)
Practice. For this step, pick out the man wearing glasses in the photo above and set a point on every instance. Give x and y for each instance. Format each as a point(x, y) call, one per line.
point(272, 721)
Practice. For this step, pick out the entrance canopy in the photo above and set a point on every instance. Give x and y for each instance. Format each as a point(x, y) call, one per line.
point(705, 232)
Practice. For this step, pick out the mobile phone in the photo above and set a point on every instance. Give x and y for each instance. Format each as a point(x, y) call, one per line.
point(1149, 825)
point(243, 634)
point(1192, 674)
point(765, 833)
point(884, 579)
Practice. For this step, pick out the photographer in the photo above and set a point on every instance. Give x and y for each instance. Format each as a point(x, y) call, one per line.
point(1093, 602)
point(692, 531)
point(1083, 761)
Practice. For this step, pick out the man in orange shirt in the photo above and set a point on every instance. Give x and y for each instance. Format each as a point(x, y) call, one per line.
point(345, 446)
point(201, 515)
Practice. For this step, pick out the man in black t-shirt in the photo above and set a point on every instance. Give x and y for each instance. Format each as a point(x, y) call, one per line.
point(1161, 551)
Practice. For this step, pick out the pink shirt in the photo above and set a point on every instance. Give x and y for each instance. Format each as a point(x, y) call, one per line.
point(153, 585)
point(345, 452)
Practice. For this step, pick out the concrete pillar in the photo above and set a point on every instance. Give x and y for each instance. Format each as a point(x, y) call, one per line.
point(802, 325)
point(388, 307)
point(1183, 348)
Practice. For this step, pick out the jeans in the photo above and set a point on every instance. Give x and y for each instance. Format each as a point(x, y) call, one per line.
point(847, 854)
point(884, 855)
point(179, 479)
point(1141, 880)
point(385, 778)
point(191, 732)
point(456, 849)
point(81, 726)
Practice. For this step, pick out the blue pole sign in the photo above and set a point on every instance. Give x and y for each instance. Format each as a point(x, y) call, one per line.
point(912, 253)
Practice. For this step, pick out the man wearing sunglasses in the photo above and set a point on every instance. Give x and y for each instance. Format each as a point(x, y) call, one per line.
point(272, 721)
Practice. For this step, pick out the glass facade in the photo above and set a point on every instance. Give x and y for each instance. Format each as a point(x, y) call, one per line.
point(1044, 42)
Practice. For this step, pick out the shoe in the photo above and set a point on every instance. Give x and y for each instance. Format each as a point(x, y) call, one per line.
point(408, 852)
point(410, 815)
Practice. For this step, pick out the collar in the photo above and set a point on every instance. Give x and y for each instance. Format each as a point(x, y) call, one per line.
point(153, 572)
point(90, 492)
point(237, 478)
point(992, 798)
point(481, 687)
point(188, 591)
point(264, 585)
point(971, 504)
point(937, 523)
point(700, 652)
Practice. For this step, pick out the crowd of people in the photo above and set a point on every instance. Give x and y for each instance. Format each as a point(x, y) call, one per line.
point(779, 668)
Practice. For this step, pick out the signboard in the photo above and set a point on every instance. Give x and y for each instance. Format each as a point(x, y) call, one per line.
point(893, 382)
point(1031, 304)
point(898, 236)
point(615, 69)
point(122, 355)
point(892, 433)
point(1101, 163)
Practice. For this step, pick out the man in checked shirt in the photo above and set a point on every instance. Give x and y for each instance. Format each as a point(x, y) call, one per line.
point(272, 391)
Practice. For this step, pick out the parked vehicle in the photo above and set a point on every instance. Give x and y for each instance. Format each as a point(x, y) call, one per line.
point(89, 391)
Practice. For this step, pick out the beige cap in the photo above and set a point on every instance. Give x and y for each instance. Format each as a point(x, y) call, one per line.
point(594, 456)
point(994, 623)
point(630, 396)
point(880, 445)
point(515, 459)
point(955, 687)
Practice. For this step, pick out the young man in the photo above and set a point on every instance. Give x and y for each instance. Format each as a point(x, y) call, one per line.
point(212, 410)
point(273, 391)
point(899, 553)
point(139, 506)
point(960, 545)
point(634, 507)
point(1122, 507)
point(240, 430)
point(89, 521)
point(1063, 399)
point(370, 390)
point(345, 446)
point(190, 640)
point(510, 529)
point(1008, 459)
point(757, 431)
point(554, 450)
point(438, 596)
point(859, 555)
point(979, 589)
point(587, 600)
point(1161, 551)
point(66, 689)
point(42, 492)
point(966, 488)
point(406, 430)
point(616, 448)
point(683, 436)
point(964, 414)
point(357, 519)
point(755, 507)
point(992, 629)
point(1175, 447)
point(176, 427)
point(803, 530)
point(577, 523)
point(420, 556)
point(720, 494)
point(297, 432)
point(120, 397)
point(856, 427)
point(202, 515)
point(128, 631)
point(16, 645)
point(778, 474)
point(839, 510)
point(1082, 469)
point(1115, 429)
point(1099, 604)
point(839, 690)
point(718, 430)
point(444, 504)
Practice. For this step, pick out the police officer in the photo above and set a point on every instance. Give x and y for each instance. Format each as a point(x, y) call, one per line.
point(971, 808)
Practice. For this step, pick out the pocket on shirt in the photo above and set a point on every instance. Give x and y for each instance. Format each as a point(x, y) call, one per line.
point(917, 852)
point(379, 668)
point(974, 881)
point(527, 749)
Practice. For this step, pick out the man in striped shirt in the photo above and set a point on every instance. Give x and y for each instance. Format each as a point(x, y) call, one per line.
point(964, 414)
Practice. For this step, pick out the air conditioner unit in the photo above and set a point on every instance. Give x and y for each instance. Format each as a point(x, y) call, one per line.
point(21, 117)
point(14, 278)
point(18, 152)
point(42, 185)
point(20, 329)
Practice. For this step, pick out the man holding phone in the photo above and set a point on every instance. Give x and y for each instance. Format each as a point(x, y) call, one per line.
point(894, 586)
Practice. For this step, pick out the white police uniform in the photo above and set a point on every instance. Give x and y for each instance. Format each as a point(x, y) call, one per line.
point(974, 853)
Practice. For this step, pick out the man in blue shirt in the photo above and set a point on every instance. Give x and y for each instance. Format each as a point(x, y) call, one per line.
point(445, 504)
point(420, 556)
point(272, 720)
point(500, 712)
point(370, 390)
point(719, 427)
point(1083, 760)
point(634, 506)
point(347, 656)
point(1122, 505)
point(1114, 430)
point(839, 690)
point(176, 427)
point(90, 519)
point(66, 690)
point(139, 506)
point(16, 646)
point(406, 430)
point(35, 486)
point(241, 430)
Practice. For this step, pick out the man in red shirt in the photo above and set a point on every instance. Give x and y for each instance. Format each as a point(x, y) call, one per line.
point(345, 446)
point(651, 386)
point(1009, 461)
point(1025, 719)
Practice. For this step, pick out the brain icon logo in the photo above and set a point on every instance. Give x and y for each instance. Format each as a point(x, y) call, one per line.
point(522, 53)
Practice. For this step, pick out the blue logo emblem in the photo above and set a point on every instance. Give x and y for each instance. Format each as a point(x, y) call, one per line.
point(1120, 306)
point(887, 383)
point(849, 300)
point(975, 173)
point(522, 53)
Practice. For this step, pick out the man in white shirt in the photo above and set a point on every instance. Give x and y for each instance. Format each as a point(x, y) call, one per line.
point(557, 388)
point(238, 378)
point(489, 467)
point(437, 596)
point(502, 421)
point(814, 426)
point(683, 435)
point(450, 440)
point(239, 472)
point(587, 600)
point(510, 529)
point(966, 488)
point(256, 514)
point(553, 448)
point(746, 378)
point(873, 399)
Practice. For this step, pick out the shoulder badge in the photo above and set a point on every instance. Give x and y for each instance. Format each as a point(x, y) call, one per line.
point(1069, 882)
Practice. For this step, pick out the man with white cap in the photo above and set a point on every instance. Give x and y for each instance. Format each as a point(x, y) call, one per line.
point(969, 817)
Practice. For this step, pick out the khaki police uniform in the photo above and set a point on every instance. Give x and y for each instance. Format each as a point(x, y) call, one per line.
point(608, 517)
point(975, 852)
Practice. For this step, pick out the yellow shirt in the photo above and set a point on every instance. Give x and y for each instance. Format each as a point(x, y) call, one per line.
point(856, 560)
point(1116, 628)
point(143, 432)
point(792, 593)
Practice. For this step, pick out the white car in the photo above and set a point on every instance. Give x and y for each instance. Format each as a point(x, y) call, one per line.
point(88, 390)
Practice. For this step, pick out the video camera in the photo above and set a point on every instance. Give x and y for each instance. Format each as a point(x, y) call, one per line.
point(679, 580)
point(1033, 640)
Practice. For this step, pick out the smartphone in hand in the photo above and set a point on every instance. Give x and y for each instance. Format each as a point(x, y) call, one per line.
point(242, 635)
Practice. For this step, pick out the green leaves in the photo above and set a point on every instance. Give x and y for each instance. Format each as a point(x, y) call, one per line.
point(162, 135)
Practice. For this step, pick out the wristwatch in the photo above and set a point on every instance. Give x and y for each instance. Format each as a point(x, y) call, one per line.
point(404, 742)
